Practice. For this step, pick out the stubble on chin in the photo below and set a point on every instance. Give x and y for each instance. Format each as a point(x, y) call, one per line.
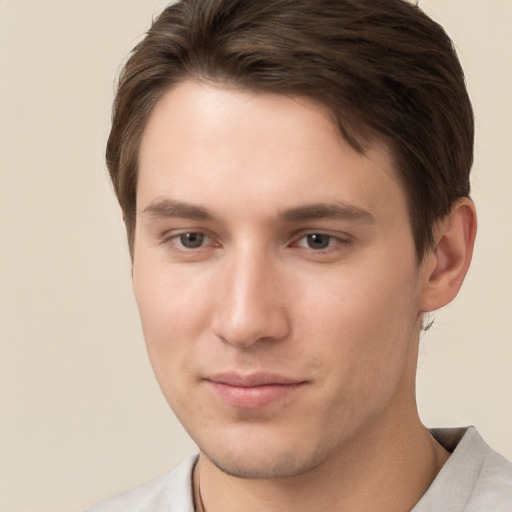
point(267, 465)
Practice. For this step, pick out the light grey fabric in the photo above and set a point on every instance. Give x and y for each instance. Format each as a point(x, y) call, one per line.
point(474, 479)
point(168, 493)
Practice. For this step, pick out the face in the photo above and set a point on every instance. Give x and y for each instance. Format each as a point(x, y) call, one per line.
point(275, 274)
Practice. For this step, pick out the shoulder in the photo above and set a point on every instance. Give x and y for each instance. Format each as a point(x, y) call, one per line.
point(167, 493)
point(475, 478)
point(493, 487)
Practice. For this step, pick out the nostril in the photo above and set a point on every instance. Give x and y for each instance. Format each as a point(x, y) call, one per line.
point(245, 328)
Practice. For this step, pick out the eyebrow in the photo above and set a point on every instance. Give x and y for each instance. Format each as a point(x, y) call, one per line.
point(174, 208)
point(340, 211)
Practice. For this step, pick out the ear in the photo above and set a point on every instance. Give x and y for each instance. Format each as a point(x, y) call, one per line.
point(446, 264)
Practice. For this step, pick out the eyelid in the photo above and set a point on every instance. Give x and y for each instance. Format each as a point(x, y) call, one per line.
point(339, 241)
point(170, 237)
point(342, 236)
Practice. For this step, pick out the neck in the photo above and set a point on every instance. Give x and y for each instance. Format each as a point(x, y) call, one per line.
point(387, 471)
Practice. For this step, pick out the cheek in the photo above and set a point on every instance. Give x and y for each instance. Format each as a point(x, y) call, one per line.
point(172, 316)
point(368, 316)
point(172, 311)
point(363, 337)
point(361, 300)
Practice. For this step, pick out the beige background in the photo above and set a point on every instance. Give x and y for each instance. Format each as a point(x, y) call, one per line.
point(80, 414)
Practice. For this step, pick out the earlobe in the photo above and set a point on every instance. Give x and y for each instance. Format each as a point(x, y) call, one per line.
point(447, 263)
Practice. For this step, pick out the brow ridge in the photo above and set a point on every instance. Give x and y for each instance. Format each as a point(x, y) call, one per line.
point(164, 207)
point(342, 211)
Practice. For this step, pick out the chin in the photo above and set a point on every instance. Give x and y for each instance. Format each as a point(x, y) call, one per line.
point(265, 458)
point(269, 467)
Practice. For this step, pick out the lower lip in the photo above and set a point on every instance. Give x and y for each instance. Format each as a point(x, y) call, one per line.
point(252, 397)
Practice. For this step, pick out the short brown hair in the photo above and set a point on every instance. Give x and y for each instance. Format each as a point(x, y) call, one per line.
point(385, 70)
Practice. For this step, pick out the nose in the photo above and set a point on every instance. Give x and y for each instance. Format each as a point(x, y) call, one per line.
point(251, 304)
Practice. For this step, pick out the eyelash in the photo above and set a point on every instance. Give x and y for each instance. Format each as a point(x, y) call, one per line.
point(177, 240)
point(333, 242)
point(330, 242)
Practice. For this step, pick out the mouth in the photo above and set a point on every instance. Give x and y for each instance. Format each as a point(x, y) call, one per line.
point(252, 391)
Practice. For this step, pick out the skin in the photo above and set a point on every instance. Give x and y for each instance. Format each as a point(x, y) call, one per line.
point(266, 245)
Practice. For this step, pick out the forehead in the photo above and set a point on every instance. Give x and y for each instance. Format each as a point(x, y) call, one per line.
point(204, 142)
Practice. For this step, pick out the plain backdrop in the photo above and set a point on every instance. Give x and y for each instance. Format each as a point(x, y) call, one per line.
point(81, 416)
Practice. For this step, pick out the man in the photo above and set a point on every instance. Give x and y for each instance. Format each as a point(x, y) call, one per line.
point(294, 178)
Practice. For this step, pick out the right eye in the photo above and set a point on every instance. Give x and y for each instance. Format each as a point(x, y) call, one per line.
point(191, 240)
point(316, 241)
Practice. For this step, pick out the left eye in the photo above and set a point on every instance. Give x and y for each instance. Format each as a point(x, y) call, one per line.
point(192, 240)
point(316, 241)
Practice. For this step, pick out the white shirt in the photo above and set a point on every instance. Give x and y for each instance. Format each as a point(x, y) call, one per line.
point(474, 479)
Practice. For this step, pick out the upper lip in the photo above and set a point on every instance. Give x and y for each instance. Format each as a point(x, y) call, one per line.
point(252, 379)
